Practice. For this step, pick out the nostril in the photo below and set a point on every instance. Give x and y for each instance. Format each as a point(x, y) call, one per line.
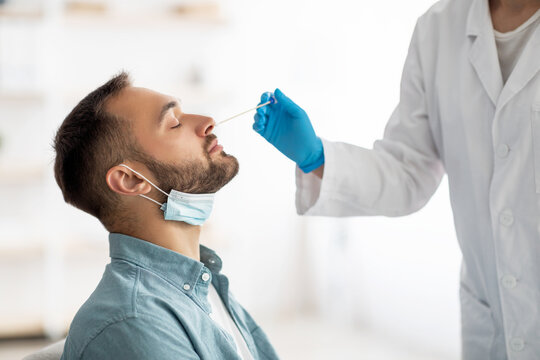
point(209, 130)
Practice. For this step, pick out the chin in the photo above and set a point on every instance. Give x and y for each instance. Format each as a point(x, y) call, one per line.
point(224, 154)
point(233, 167)
point(226, 157)
point(223, 169)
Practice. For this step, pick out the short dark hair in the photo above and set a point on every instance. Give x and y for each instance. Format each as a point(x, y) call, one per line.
point(88, 143)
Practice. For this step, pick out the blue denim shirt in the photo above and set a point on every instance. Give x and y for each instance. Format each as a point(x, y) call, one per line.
point(152, 304)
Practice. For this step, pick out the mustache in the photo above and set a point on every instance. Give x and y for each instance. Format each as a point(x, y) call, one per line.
point(207, 141)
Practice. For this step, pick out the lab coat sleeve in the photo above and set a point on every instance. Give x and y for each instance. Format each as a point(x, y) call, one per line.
point(396, 177)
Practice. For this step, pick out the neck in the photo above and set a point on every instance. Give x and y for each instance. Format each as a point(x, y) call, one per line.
point(507, 15)
point(173, 235)
point(514, 5)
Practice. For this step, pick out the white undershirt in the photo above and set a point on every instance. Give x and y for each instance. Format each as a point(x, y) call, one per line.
point(510, 44)
point(221, 316)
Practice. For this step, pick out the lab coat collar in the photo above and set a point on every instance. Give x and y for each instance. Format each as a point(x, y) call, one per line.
point(478, 16)
point(483, 52)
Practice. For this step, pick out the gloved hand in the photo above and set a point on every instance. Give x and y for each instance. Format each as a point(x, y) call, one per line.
point(286, 126)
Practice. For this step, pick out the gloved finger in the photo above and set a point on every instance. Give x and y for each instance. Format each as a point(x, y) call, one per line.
point(281, 97)
point(259, 127)
point(260, 120)
point(288, 105)
point(265, 97)
point(263, 111)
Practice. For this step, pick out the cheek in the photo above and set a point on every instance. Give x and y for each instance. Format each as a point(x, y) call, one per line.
point(180, 149)
point(171, 146)
point(148, 142)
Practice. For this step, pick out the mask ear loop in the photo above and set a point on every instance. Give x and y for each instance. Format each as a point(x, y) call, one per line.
point(151, 183)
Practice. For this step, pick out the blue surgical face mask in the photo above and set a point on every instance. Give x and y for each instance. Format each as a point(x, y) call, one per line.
point(193, 209)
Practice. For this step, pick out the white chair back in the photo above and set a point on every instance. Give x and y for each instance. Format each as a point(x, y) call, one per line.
point(51, 352)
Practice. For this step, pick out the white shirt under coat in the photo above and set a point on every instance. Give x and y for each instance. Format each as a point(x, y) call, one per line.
point(511, 44)
point(457, 116)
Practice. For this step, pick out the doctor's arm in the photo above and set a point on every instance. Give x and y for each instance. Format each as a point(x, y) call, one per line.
point(319, 172)
point(396, 177)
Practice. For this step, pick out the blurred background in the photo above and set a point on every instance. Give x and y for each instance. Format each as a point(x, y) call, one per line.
point(352, 288)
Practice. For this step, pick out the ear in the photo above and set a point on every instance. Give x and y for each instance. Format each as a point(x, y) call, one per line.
point(125, 182)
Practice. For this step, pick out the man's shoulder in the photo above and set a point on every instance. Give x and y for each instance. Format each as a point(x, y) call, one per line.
point(112, 301)
point(127, 297)
point(128, 336)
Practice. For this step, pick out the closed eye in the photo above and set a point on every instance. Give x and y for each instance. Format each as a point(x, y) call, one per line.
point(176, 126)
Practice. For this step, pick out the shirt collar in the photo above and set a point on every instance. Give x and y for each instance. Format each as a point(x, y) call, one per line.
point(183, 271)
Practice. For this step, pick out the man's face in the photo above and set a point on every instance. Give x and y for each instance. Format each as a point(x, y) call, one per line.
point(178, 148)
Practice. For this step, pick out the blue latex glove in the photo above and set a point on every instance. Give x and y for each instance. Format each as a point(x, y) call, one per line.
point(286, 126)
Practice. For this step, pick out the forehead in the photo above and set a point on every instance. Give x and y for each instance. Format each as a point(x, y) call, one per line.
point(138, 104)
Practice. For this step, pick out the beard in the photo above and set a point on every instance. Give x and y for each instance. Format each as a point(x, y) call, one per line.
point(194, 177)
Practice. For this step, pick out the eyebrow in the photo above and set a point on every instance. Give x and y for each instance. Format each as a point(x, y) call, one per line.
point(165, 108)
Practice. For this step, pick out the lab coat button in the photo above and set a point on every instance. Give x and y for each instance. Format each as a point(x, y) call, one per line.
point(186, 287)
point(502, 150)
point(509, 281)
point(517, 344)
point(205, 277)
point(506, 218)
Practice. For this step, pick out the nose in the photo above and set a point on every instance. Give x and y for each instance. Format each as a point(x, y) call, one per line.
point(205, 126)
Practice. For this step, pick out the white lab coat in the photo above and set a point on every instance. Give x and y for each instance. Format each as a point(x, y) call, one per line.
point(455, 116)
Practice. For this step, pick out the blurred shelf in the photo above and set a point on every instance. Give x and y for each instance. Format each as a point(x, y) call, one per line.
point(79, 12)
point(202, 11)
point(205, 13)
point(20, 327)
point(18, 96)
point(31, 251)
point(86, 7)
point(18, 11)
point(22, 174)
